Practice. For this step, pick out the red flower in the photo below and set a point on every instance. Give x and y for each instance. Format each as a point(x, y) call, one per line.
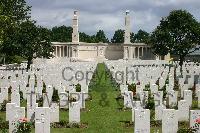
point(197, 120)
point(23, 119)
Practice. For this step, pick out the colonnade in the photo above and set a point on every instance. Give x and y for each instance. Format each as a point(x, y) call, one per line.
point(137, 52)
point(62, 51)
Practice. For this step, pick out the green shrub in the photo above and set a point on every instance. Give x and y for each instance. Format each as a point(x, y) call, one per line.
point(55, 96)
point(21, 95)
point(3, 105)
point(40, 102)
point(4, 126)
point(9, 90)
point(78, 88)
point(150, 104)
point(185, 130)
point(147, 87)
point(44, 88)
point(23, 126)
point(132, 87)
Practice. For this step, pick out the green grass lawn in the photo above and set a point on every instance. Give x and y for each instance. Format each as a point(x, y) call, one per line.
point(102, 113)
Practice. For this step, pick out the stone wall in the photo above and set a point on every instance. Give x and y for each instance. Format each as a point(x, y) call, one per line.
point(114, 52)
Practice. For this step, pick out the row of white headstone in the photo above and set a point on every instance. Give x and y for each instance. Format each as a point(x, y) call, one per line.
point(51, 75)
point(149, 75)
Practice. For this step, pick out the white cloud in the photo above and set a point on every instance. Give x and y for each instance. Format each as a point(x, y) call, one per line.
point(108, 15)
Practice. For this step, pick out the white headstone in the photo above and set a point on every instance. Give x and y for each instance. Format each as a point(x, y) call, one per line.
point(142, 121)
point(54, 112)
point(169, 121)
point(42, 120)
point(74, 112)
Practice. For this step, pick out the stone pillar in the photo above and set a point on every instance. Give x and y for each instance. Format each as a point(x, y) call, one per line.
point(75, 34)
point(66, 51)
point(74, 52)
point(57, 51)
point(130, 52)
point(70, 51)
point(125, 53)
point(138, 52)
point(134, 52)
point(127, 29)
point(142, 52)
point(60, 51)
point(63, 51)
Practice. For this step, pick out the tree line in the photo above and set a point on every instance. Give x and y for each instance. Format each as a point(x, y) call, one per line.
point(64, 34)
point(21, 37)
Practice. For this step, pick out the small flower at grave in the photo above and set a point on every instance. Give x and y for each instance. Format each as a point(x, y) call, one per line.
point(197, 120)
point(23, 119)
point(23, 125)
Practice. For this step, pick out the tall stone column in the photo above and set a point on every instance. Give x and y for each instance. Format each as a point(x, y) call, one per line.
point(63, 51)
point(125, 52)
point(134, 52)
point(127, 28)
point(60, 51)
point(142, 51)
point(70, 51)
point(57, 51)
point(138, 52)
point(74, 52)
point(130, 52)
point(75, 34)
point(66, 51)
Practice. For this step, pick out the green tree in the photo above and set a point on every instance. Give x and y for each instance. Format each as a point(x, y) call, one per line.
point(101, 37)
point(118, 36)
point(12, 14)
point(84, 37)
point(132, 37)
point(33, 42)
point(62, 34)
point(93, 39)
point(141, 37)
point(177, 34)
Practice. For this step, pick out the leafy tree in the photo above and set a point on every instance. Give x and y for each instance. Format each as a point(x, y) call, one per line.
point(84, 37)
point(33, 42)
point(101, 37)
point(118, 36)
point(132, 37)
point(141, 37)
point(12, 14)
point(177, 34)
point(93, 39)
point(62, 34)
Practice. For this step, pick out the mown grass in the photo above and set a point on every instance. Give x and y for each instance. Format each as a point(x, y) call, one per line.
point(102, 113)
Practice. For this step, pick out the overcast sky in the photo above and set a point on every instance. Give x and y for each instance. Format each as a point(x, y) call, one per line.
point(108, 15)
